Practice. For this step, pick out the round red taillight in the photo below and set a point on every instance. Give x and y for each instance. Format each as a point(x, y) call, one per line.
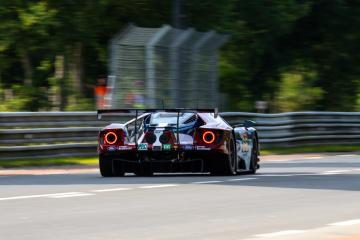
point(165, 138)
point(208, 137)
point(150, 137)
point(110, 138)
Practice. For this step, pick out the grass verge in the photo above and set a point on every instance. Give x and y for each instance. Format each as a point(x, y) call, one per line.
point(312, 149)
point(41, 162)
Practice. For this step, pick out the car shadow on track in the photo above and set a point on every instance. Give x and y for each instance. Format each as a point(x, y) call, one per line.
point(296, 174)
point(296, 180)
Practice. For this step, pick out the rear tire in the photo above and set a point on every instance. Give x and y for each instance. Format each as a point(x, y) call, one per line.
point(105, 166)
point(118, 168)
point(225, 166)
point(110, 168)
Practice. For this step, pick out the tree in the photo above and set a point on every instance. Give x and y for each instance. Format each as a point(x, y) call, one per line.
point(25, 28)
point(328, 40)
point(59, 48)
point(252, 61)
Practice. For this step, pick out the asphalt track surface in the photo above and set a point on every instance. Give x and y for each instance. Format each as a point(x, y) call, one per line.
point(311, 198)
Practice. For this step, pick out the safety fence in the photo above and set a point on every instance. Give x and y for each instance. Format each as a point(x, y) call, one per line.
point(52, 134)
point(147, 64)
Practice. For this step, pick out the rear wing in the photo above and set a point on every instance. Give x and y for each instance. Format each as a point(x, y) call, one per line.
point(153, 110)
point(137, 111)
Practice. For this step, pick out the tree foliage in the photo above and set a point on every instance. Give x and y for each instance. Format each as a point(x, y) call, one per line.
point(295, 54)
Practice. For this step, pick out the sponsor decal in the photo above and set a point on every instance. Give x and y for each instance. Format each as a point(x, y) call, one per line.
point(166, 147)
point(156, 148)
point(203, 148)
point(188, 147)
point(244, 136)
point(244, 142)
point(124, 148)
point(244, 146)
point(111, 148)
point(143, 147)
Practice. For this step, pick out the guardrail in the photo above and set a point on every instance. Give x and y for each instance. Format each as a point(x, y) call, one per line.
point(50, 134)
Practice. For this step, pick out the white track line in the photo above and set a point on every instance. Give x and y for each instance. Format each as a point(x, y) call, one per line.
point(240, 179)
point(346, 155)
point(36, 196)
point(277, 175)
point(313, 157)
point(205, 182)
point(281, 233)
point(334, 172)
point(71, 195)
point(281, 160)
point(346, 223)
point(110, 190)
point(337, 171)
point(159, 186)
point(325, 173)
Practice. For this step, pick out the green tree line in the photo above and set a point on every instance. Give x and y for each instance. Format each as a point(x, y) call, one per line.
point(294, 54)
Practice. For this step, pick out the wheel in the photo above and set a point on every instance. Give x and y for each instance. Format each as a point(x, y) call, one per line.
point(118, 168)
point(105, 166)
point(225, 166)
point(254, 158)
point(110, 168)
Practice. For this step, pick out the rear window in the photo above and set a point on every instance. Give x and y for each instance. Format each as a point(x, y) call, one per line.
point(170, 118)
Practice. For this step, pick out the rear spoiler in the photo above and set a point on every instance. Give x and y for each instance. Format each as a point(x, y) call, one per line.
point(151, 110)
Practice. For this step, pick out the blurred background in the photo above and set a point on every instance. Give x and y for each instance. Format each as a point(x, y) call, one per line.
point(240, 55)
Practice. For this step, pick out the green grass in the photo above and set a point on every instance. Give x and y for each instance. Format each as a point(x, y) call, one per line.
point(49, 162)
point(311, 149)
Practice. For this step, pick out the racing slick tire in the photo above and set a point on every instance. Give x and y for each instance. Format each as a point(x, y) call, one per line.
point(105, 166)
point(118, 168)
point(110, 168)
point(225, 166)
point(254, 158)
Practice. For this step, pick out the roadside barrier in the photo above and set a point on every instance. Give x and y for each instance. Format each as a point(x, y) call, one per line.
point(51, 134)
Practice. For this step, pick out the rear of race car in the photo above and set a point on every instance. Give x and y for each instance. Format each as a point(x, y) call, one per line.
point(163, 147)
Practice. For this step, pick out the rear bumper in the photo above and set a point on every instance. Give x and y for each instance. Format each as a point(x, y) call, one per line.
point(170, 161)
point(162, 156)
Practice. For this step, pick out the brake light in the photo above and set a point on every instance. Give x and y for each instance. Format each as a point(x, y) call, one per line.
point(166, 137)
point(150, 137)
point(110, 138)
point(208, 137)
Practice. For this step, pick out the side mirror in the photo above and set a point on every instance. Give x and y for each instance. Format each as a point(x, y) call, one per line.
point(249, 123)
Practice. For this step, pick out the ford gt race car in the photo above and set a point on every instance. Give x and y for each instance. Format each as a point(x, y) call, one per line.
point(176, 140)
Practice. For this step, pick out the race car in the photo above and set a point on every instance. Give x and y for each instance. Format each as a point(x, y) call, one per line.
point(176, 140)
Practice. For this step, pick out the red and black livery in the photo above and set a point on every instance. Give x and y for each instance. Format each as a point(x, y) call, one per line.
point(174, 140)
